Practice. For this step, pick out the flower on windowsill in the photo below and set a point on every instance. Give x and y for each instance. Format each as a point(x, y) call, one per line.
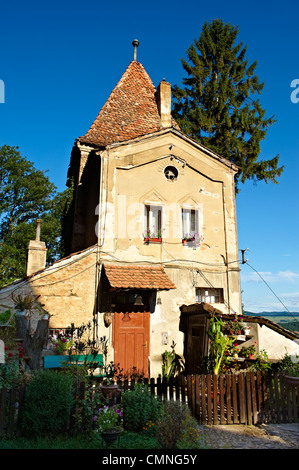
point(195, 240)
point(152, 236)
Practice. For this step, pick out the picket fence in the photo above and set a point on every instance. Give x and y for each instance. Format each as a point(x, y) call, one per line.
point(243, 398)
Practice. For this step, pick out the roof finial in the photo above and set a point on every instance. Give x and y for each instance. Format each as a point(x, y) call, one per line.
point(135, 44)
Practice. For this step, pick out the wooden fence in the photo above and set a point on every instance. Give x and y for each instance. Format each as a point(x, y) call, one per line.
point(244, 398)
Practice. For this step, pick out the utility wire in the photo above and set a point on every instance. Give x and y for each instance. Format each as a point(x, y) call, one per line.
point(246, 262)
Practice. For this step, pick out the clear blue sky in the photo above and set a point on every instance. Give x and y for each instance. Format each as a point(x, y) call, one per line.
point(60, 61)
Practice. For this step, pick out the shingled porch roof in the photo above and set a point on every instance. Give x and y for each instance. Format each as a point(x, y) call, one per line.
point(130, 111)
point(123, 276)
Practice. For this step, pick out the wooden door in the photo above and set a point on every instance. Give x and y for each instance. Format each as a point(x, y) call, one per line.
point(131, 340)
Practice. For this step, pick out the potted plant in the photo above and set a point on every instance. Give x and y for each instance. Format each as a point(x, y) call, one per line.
point(248, 351)
point(235, 325)
point(62, 343)
point(192, 240)
point(109, 386)
point(108, 422)
point(152, 236)
point(24, 304)
point(246, 330)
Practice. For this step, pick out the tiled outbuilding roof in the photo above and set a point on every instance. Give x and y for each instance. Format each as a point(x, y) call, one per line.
point(130, 111)
point(137, 277)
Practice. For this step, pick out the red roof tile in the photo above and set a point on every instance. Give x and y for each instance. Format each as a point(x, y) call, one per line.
point(137, 277)
point(130, 111)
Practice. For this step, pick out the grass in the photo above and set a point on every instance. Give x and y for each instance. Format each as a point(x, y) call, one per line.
point(128, 440)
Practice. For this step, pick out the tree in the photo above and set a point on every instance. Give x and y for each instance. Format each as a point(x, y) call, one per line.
point(217, 105)
point(26, 194)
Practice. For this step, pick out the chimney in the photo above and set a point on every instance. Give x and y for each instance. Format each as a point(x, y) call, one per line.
point(164, 103)
point(36, 252)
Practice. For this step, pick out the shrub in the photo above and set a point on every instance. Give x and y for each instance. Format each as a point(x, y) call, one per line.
point(139, 407)
point(176, 427)
point(85, 409)
point(48, 403)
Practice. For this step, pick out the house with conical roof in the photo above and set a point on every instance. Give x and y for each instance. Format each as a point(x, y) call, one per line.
point(152, 227)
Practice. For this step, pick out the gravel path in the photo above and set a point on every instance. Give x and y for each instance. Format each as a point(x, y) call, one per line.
point(251, 437)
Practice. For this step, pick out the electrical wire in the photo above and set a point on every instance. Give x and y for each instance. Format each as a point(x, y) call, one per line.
point(246, 262)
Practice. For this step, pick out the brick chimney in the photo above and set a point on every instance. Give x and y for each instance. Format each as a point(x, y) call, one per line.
point(36, 253)
point(163, 97)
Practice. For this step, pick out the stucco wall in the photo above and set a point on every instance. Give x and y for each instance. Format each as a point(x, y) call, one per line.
point(276, 345)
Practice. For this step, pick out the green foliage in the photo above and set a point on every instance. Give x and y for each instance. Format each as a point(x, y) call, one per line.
point(48, 402)
point(9, 374)
point(218, 105)
point(85, 409)
point(219, 343)
point(176, 428)
point(107, 417)
point(171, 363)
point(27, 194)
point(139, 407)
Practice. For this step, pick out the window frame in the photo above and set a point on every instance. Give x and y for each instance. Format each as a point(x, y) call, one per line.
point(153, 213)
point(216, 292)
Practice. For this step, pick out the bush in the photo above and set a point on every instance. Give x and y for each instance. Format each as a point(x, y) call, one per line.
point(139, 407)
point(176, 428)
point(48, 403)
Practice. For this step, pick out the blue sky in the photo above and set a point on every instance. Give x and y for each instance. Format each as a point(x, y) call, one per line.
point(59, 62)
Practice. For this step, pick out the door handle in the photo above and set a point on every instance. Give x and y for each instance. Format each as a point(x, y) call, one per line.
point(145, 344)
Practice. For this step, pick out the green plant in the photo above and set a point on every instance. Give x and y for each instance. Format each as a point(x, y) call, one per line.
point(48, 403)
point(7, 318)
point(174, 425)
point(107, 418)
point(62, 343)
point(218, 343)
point(248, 351)
point(235, 326)
point(191, 436)
point(172, 362)
point(261, 362)
point(139, 406)
point(12, 372)
point(86, 407)
point(291, 366)
point(27, 302)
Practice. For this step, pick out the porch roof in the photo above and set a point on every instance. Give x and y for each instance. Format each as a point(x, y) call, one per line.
point(135, 276)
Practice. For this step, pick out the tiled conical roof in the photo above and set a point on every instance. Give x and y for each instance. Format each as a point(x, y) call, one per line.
point(130, 111)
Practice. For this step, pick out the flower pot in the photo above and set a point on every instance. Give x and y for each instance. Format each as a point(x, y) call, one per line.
point(246, 331)
point(111, 435)
point(21, 313)
point(111, 392)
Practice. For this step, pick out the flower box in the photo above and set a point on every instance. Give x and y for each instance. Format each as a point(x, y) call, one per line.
point(152, 240)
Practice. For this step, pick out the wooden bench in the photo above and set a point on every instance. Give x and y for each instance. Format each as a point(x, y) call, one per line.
point(57, 361)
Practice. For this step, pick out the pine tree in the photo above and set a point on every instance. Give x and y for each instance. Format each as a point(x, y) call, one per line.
point(217, 107)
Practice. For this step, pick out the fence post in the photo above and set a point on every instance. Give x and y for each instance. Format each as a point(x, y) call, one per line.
point(3, 397)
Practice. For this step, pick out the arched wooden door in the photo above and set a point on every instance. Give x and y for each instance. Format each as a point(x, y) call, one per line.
point(131, 340)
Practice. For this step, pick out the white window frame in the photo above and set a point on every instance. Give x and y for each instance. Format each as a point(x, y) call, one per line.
point(190, 222)
point(153, 218)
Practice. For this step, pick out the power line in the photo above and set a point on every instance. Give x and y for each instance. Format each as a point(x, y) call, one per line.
point(246, 262)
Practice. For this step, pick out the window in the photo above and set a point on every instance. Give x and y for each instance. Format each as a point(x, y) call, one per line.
point(189, 222)
point(171, 173)
point(153, 222)
point(210, 296)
